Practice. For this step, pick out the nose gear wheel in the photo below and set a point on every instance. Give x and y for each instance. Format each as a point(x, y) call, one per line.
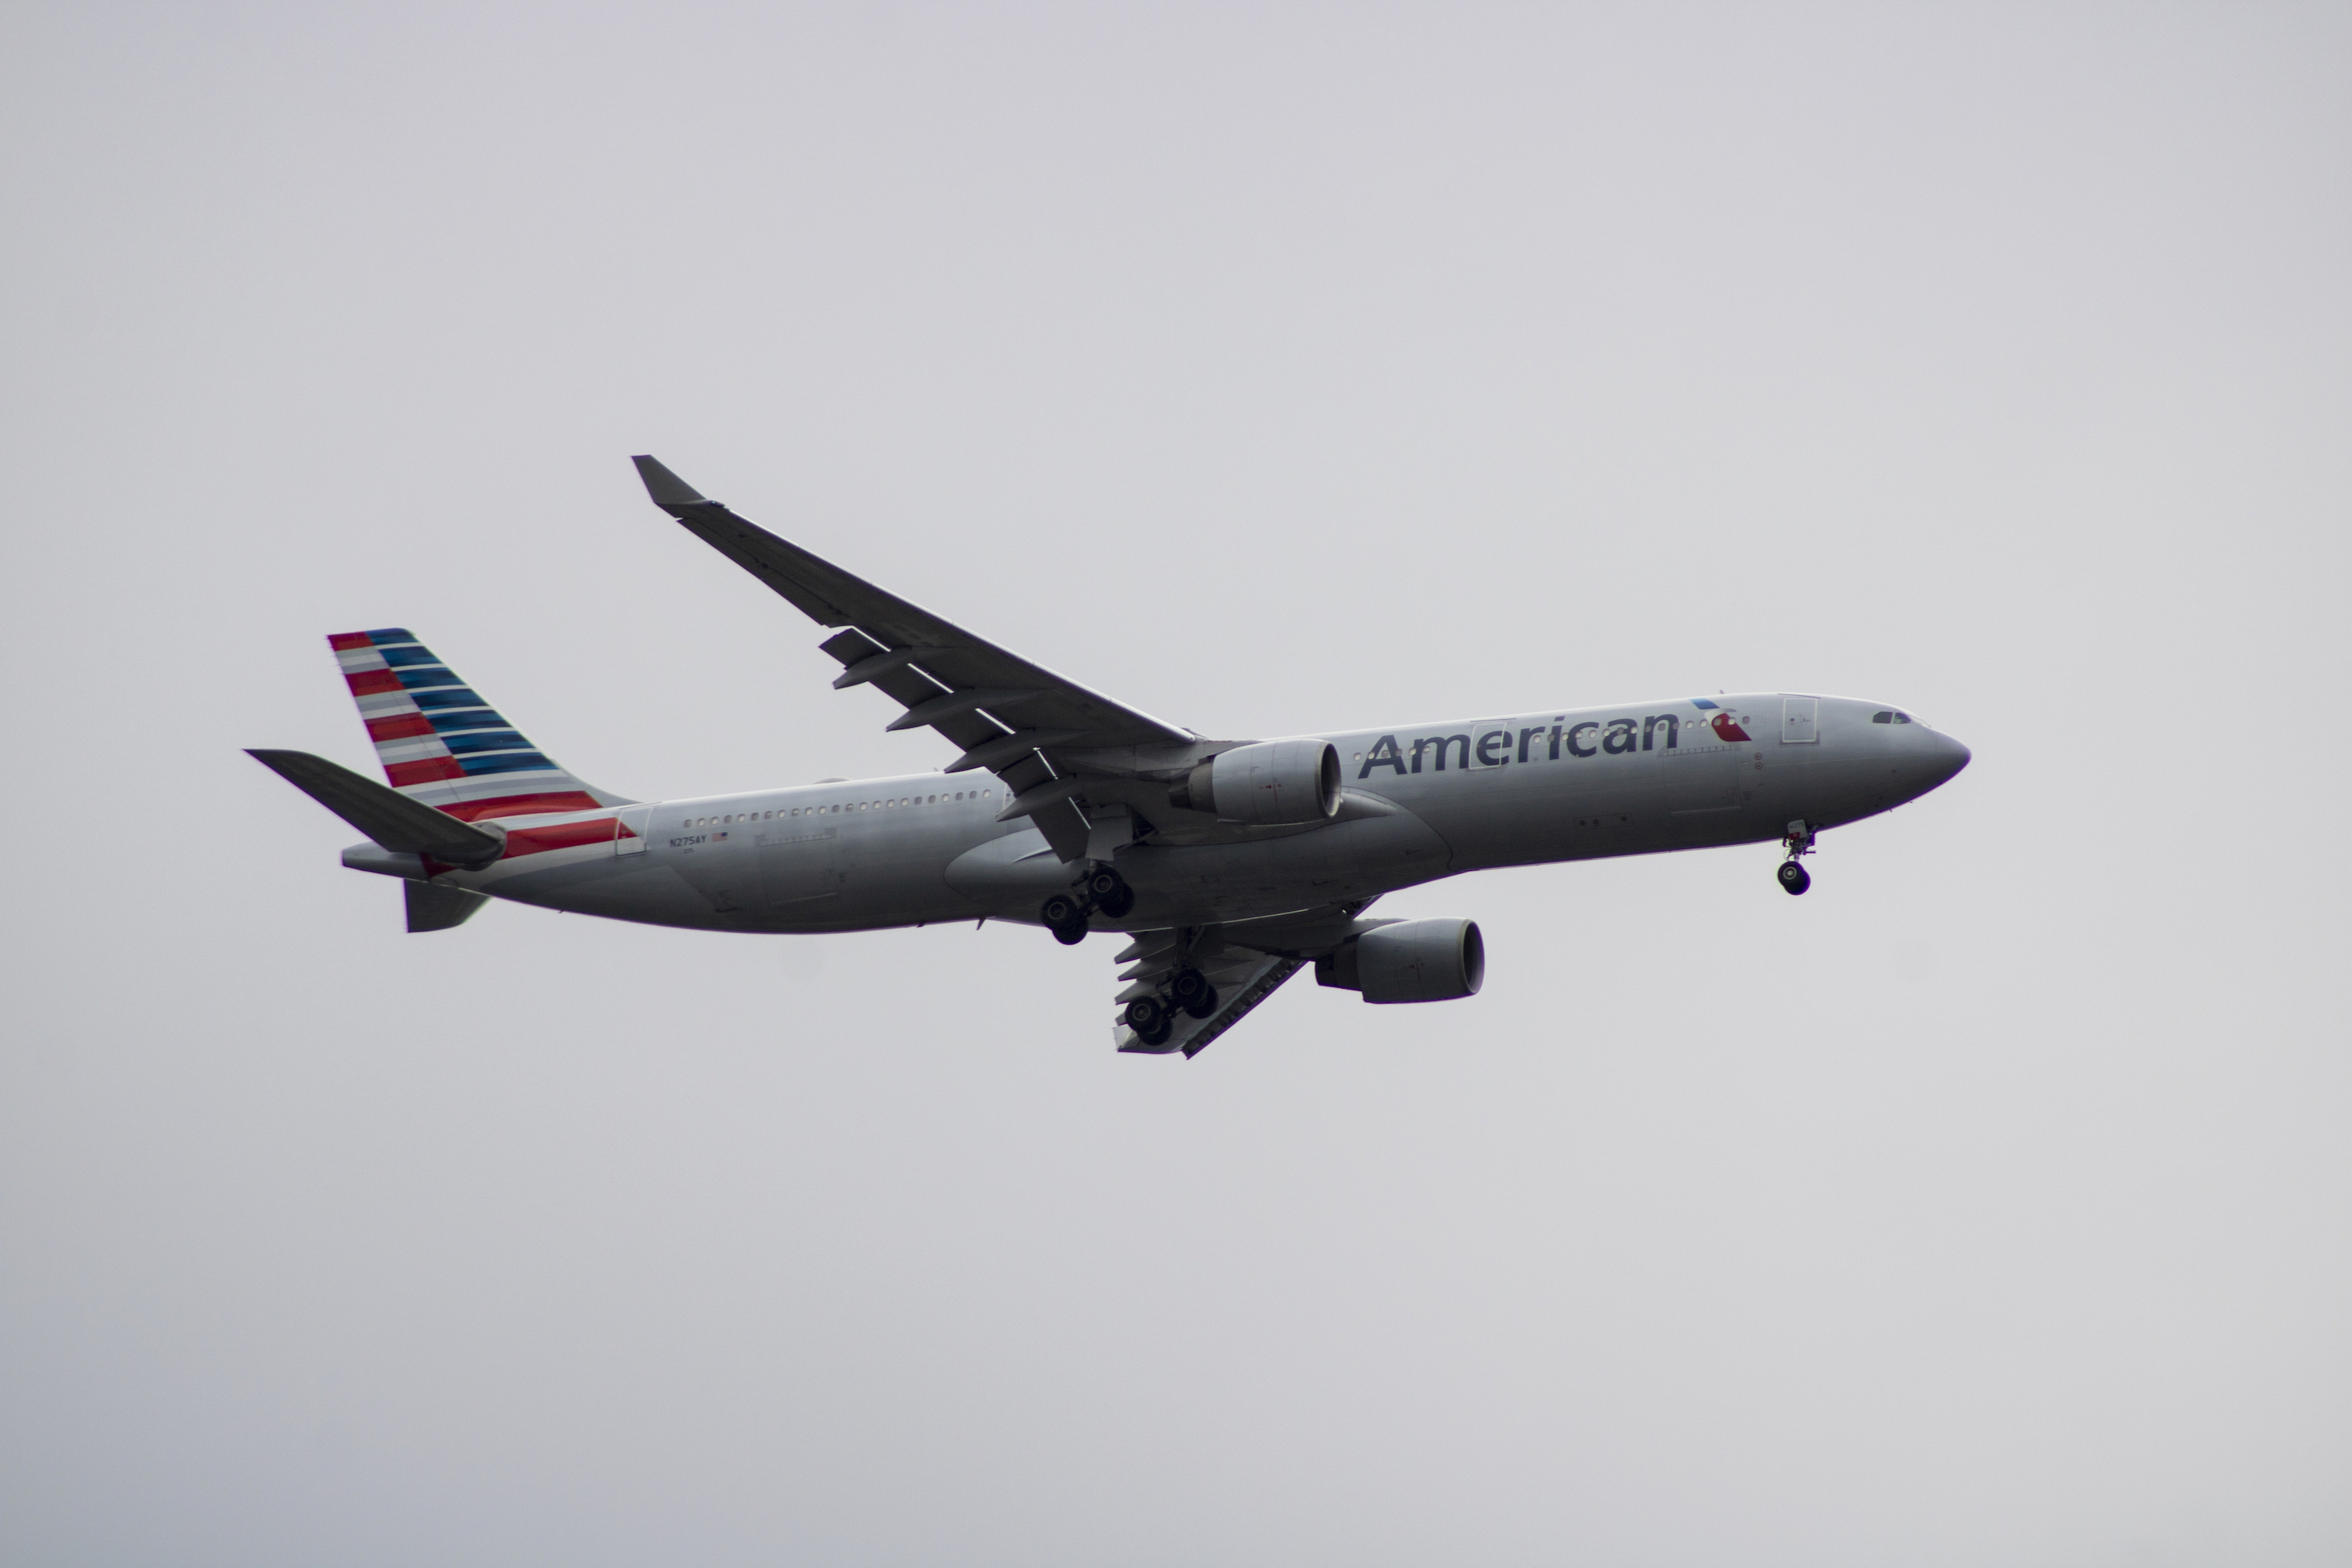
point(1798, 842)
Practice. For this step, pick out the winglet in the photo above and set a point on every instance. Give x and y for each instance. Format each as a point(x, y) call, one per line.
point(665, 487)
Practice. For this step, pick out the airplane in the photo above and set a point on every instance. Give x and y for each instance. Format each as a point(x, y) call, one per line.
point(1229, 865)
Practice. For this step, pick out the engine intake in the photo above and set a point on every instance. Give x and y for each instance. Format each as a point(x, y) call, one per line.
point(1271, 783)
point(1409, 961)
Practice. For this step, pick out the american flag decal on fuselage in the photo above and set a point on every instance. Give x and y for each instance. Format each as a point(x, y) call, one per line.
point(443, 745)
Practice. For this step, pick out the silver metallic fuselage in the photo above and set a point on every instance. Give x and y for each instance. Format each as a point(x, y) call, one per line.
point(1629, 779)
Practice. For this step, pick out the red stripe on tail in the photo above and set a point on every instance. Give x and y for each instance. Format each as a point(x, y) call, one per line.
point(563, 836)
point(426, 771)
point(524, 805)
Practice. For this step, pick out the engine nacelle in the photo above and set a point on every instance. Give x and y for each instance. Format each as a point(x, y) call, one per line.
point(1271, 783)
point(1409, 961)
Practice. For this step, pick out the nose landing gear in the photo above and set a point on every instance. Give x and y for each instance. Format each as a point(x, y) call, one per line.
point(1102, 888)
point(1799, 842)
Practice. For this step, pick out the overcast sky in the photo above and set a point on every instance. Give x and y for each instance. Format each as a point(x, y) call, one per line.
point(1273, 368)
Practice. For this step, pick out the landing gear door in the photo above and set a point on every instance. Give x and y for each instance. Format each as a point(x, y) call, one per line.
point(1800, 721)
point(630, 827)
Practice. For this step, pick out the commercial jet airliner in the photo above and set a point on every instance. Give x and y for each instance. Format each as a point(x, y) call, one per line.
point(1229, 865)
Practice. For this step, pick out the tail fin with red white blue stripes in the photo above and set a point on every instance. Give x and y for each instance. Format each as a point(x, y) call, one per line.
point(441, 743)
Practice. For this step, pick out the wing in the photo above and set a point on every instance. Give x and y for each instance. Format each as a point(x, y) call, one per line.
point(1005, 714)
point(1246, 961)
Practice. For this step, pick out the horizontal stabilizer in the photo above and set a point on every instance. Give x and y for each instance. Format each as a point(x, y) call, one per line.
point(393, 820)
point(435, 907)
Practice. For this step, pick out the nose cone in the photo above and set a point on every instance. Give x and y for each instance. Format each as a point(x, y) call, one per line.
point(1945, 758)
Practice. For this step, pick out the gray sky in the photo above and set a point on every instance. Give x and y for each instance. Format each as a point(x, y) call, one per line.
point(1274, 369)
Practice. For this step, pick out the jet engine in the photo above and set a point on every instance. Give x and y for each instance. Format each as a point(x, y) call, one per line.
point(1409, 961)
point(1271, 783)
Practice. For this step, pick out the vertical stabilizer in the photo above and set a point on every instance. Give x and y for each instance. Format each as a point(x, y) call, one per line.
point(432, 906)
point(441, 743)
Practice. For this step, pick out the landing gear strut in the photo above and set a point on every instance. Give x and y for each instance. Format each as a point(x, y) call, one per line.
point(1799, 842)
point(1102, 888)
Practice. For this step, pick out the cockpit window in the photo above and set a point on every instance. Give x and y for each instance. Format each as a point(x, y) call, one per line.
point(1901, 718)
point(1889, 716)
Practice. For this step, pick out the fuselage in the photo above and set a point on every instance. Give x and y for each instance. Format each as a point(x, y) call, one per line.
point(1422, 801)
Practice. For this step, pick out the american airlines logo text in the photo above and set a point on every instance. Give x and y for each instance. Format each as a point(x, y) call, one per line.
point(1496, 748)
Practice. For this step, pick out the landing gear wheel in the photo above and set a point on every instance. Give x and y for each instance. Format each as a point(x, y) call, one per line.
point(1793, 877)
point(1147, 1017)
point(1188, 987)
point(1109, 891)
point(1203, 1005)
point(1061, 910)
point(1072, 934)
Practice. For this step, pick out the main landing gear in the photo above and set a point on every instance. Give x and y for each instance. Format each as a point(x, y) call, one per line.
point(1799, 842)
point(1065, 914)
point(1192, 992)
point(1147, 1017)
point(1154, 1018)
